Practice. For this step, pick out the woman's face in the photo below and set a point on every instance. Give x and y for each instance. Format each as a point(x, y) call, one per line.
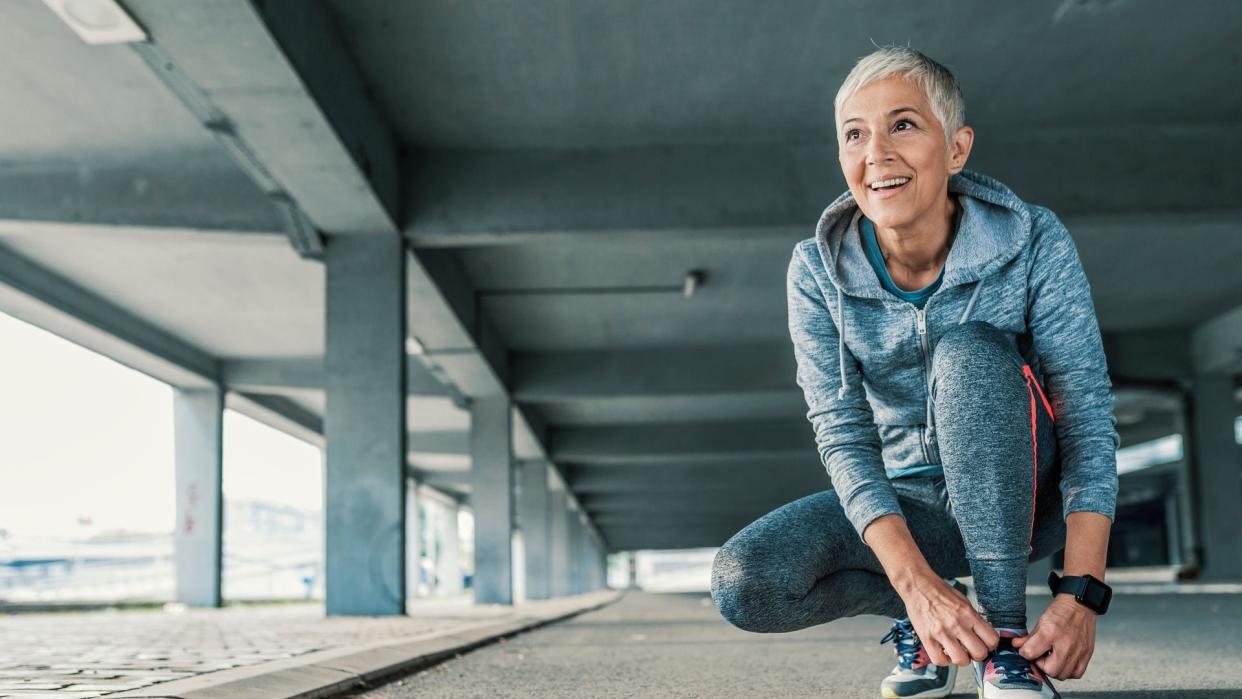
point(887, 132)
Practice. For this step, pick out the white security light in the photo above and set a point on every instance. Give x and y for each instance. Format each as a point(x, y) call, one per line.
point(413, 346)
point(692, 282)
point(98, 21)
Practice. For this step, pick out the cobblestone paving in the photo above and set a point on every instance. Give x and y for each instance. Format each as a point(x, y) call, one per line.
point(91, 654)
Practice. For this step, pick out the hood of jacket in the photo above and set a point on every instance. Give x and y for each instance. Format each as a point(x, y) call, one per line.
point(995, 226)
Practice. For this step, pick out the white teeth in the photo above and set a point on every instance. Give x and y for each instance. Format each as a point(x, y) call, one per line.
point(889, 183)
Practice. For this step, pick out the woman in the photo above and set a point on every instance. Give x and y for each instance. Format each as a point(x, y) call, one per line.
point(923, 314)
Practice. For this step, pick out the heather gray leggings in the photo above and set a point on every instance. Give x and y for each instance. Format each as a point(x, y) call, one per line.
point(803, 564)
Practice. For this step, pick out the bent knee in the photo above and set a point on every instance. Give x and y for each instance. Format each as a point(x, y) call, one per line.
point(742, 593)
point(975, 341)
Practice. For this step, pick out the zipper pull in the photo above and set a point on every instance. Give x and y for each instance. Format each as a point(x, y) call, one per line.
point(921, 315)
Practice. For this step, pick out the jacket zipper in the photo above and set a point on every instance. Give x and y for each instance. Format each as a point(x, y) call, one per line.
point(920, 315)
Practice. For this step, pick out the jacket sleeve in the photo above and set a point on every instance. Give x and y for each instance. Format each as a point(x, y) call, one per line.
point(845, 431)
point(1066, 336)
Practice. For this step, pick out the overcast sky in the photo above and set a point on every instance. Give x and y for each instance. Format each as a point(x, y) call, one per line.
point(82, 436)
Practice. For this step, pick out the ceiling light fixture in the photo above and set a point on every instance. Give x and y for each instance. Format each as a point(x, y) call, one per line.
point(98, 21)
point(694, 279)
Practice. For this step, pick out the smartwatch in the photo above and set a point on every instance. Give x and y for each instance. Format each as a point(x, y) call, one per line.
point(1089, 592)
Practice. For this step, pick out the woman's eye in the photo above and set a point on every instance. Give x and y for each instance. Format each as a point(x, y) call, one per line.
point(849, 135)
point(904, 121)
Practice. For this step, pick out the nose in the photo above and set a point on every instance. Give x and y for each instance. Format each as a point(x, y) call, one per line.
point(879, 148)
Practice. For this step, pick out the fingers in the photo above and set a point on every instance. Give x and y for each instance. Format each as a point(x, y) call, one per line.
point(1064, 665)
point(1035, 645)
point(956, 652)
point(974, 645)
point(935, 652)
point(987, 634)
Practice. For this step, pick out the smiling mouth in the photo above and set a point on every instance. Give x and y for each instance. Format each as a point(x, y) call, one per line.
point(889, 184)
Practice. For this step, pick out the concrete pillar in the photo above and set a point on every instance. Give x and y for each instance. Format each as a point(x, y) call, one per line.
point(491, 451)
point(558, 543)
point(364, 425)
point(198, 425)
point(413, 540)
point(533, 509)
point(1218, 476)
point(575, 553)
point(631, 564)
point(450, 561)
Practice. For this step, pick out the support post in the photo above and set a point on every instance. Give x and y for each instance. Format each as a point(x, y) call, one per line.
point(450, 560)
point(533, 518)
point(491, 451)
point(575, 552)
point(558, 530)
point(364, 425)
point(1218, 476)
point(198, 424)
point(413, 541)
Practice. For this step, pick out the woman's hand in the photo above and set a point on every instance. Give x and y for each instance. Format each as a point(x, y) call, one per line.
point(950, 629)
point(1067, 629)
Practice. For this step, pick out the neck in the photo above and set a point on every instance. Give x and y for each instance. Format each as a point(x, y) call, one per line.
point(923, 245)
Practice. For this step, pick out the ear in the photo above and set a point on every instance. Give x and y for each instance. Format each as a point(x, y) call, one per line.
point(959, 149)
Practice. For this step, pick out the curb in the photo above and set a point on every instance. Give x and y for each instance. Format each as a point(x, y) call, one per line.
point(327, 673)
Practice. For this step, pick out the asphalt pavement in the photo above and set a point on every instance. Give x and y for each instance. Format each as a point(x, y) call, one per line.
point(1165, 646)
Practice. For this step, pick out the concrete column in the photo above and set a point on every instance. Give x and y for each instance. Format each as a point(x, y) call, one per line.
point(413, 540)
point(198, 425)
point(491, 451)
point(1218, 476)
point(631, 564)
point(533, 518)
point(450, 562)
point(558, 543)
point(364, 425)
point(575, 553)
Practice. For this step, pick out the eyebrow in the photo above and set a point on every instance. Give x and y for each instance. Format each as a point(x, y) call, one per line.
point(895, 112)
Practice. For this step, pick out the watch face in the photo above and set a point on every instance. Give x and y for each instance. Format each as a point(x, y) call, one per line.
point(1097, 595)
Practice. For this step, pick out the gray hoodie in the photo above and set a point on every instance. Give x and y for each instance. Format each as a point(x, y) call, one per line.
point(864, 356)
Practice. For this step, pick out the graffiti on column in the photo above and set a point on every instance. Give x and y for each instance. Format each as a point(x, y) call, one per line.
point(191, 492)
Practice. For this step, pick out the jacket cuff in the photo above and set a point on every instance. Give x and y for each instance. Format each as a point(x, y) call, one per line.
point(1095, 500)
point(869, 503)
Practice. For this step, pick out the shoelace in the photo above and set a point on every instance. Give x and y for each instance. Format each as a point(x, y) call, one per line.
point(907, 642)
point(1013, 666)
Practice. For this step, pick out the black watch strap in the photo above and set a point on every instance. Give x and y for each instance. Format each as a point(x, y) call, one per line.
point(1089, 592)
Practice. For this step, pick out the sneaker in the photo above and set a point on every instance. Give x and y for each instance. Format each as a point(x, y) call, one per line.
point(1005, 674)
point(915, 674)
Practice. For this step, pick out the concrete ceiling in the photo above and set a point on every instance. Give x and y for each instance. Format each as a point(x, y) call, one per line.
point(559, 168)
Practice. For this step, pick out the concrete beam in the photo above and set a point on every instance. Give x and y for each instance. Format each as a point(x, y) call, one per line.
point(688, 442)
point(439, 442)
point(747, 190)
point(277, 79)
point(560, 376)
point(48, 300)
point(295, 374)
point(161, 193)
point(279, 413)
point(453, 483)
point(720, 478)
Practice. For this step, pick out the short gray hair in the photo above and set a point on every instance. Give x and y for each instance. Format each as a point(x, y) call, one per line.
point(937, 82)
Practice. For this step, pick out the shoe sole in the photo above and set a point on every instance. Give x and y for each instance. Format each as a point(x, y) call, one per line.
point(938, 693)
